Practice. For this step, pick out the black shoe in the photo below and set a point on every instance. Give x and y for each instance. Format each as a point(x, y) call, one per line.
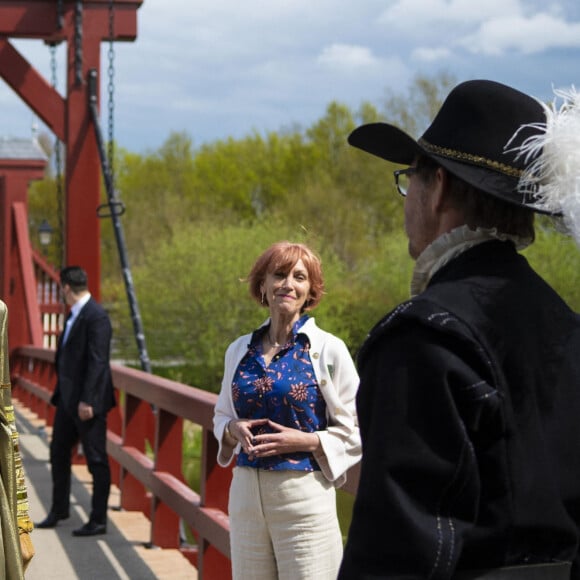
point(90, 529)
point(51, 520)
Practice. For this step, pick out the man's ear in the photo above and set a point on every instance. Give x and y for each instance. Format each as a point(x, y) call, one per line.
point(449, 215)
point(437, 195)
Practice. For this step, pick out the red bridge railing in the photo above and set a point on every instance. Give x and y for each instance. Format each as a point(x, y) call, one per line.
point(145, 439)
point(50, 302)
point(145, 444)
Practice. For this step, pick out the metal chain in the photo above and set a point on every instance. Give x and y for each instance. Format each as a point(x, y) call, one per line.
point(111, 89)
point(59, 14)
point(79, 43)
point(58, 178)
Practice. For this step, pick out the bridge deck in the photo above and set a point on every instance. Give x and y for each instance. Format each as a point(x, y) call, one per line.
point(121, 553)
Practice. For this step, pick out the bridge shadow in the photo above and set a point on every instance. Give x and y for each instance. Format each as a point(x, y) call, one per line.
point(59, 555)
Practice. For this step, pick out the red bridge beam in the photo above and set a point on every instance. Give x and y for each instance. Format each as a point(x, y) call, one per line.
point(69, 116)
point(24, 80)
point(38, 18)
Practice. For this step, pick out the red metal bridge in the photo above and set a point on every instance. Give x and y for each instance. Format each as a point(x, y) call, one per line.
point(145, 435)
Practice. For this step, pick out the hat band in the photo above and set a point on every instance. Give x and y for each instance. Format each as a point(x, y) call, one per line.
point(469, 158)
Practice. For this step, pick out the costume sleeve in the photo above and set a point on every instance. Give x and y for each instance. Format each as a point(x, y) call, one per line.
point(425, 392)
point(340, 447)
point(12, 470)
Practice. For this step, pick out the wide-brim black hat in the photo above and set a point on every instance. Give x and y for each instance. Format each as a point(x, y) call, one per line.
point(475, 136)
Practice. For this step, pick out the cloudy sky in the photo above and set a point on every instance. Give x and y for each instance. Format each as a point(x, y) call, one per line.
point(221, 68)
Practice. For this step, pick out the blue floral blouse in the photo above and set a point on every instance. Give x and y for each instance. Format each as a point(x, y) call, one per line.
point(286, 391)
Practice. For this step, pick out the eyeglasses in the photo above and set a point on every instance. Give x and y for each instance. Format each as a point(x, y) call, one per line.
point(402, 179)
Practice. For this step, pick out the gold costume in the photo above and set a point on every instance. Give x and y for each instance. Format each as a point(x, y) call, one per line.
point(15, 524)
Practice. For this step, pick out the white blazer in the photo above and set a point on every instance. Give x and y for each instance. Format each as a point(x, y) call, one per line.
point(338, 381)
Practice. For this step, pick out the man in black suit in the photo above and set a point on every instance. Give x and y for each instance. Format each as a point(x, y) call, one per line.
point(83, 396)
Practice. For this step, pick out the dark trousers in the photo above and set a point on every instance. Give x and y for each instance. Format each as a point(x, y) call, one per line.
point(67, 432)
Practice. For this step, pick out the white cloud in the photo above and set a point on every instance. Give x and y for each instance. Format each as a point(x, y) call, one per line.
point(225, 67)
point(491, 28)
point(431, 54)
point(532, 35)
point(345, 56)
point(416, 15)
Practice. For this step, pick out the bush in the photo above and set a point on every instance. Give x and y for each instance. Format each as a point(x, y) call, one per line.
point(556, 257)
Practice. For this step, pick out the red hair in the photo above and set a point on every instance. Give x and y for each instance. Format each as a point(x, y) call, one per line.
point(282, 256)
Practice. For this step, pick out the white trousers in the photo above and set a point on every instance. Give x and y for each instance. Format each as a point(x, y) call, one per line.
point(283, 526)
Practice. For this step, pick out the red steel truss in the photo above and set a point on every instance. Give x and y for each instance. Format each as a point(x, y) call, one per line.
point(68, 116)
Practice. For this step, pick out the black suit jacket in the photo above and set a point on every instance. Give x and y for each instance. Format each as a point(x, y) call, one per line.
point(83, 362)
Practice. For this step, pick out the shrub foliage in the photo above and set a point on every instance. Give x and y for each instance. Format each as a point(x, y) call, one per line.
point(197, 217)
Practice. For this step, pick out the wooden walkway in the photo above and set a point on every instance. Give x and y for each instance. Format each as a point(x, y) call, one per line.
point(121, 553)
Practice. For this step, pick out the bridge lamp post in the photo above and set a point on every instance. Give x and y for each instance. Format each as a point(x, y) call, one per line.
point(44, 235)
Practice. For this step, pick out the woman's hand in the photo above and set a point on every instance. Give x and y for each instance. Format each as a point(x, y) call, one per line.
point(283, 440)
point(241, 431)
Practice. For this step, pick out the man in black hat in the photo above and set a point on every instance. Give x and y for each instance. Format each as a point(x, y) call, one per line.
point(469, 403)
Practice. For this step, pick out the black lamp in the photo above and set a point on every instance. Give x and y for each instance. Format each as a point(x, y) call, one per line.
point(44, 234)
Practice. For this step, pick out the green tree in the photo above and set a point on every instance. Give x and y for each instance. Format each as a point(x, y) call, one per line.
point(196, 218)
point(192, 295)
point(557, 258)
point(412, 112)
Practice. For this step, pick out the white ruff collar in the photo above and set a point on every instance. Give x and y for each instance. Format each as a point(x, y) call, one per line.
point(449, 246)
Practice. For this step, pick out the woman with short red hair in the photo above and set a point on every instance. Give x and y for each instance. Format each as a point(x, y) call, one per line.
point(287, 410)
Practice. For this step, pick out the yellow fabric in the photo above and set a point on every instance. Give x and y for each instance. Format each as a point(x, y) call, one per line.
point(15, 523)
point(27, 549)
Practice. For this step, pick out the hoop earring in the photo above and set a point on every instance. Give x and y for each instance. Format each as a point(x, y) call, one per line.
point(262, 297)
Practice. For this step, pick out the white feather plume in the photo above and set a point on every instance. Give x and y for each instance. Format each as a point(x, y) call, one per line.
point(553, 178)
